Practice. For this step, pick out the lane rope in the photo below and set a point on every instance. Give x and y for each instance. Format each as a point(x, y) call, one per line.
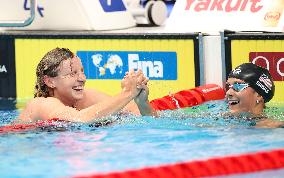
point(220, 166)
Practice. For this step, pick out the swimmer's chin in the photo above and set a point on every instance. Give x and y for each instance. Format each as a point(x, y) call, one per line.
point(235, 109)
point(235, 114)
point(238, 109)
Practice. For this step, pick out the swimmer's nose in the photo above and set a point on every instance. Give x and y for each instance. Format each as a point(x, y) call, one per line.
point(82, 77)
point(229, 93)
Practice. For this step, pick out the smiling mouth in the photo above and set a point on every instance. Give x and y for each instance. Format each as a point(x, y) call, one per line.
point(78, 88)
point(233, 102)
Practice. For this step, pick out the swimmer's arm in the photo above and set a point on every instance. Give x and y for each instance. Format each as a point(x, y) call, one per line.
point(131, 108)
point(146, 109)
point(139, 108)
point(48, 108)
point(269, 123)
point(90, 114)
point(94, 96)
point(143, 103)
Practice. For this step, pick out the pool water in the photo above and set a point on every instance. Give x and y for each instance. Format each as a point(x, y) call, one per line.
point(131, 142)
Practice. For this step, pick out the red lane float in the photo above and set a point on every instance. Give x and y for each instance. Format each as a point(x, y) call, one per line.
point(27, 127)
point(246, 163)
point(188, 98)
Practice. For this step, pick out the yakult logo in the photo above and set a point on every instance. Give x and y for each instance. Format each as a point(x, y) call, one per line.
point(272, 61)
point(224, 5)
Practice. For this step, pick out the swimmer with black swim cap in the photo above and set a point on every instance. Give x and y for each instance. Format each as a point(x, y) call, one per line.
point(248, 88)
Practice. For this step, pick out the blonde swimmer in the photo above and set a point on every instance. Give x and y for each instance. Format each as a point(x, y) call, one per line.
point(60, 93)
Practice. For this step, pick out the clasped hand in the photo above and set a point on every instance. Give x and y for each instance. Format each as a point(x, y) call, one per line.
point(136, 84)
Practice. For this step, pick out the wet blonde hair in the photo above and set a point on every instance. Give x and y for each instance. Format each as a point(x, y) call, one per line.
point(49, 66)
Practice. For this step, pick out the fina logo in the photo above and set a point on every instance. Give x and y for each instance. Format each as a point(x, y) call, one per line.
point(114, 64)
point(112, 5)
point(150, 69)
point(3, 69)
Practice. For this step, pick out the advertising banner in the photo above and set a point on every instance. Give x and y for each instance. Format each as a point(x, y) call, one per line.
point(168, 63)
point(219, 15)
point(266, 53)
point(3, 67)
point(7, 69)
point(114, 64)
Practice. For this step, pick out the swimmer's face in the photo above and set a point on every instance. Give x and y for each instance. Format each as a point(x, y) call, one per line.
point(241, 97)
point(70, 81)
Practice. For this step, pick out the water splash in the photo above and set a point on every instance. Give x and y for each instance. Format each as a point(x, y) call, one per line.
point(275, 110)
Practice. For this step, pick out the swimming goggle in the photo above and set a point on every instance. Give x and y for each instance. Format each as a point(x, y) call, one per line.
point(238, 87)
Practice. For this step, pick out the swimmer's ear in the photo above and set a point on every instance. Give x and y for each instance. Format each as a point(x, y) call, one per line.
point(48, 81)
point(259, 98)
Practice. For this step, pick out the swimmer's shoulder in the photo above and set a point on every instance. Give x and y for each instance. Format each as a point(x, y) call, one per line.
point(269, 123)
point(40, 101)
point(36, 109)
point(91, 97)
point(42, 105)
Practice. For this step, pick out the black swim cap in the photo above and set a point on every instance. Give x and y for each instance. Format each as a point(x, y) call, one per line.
point(257, 77)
